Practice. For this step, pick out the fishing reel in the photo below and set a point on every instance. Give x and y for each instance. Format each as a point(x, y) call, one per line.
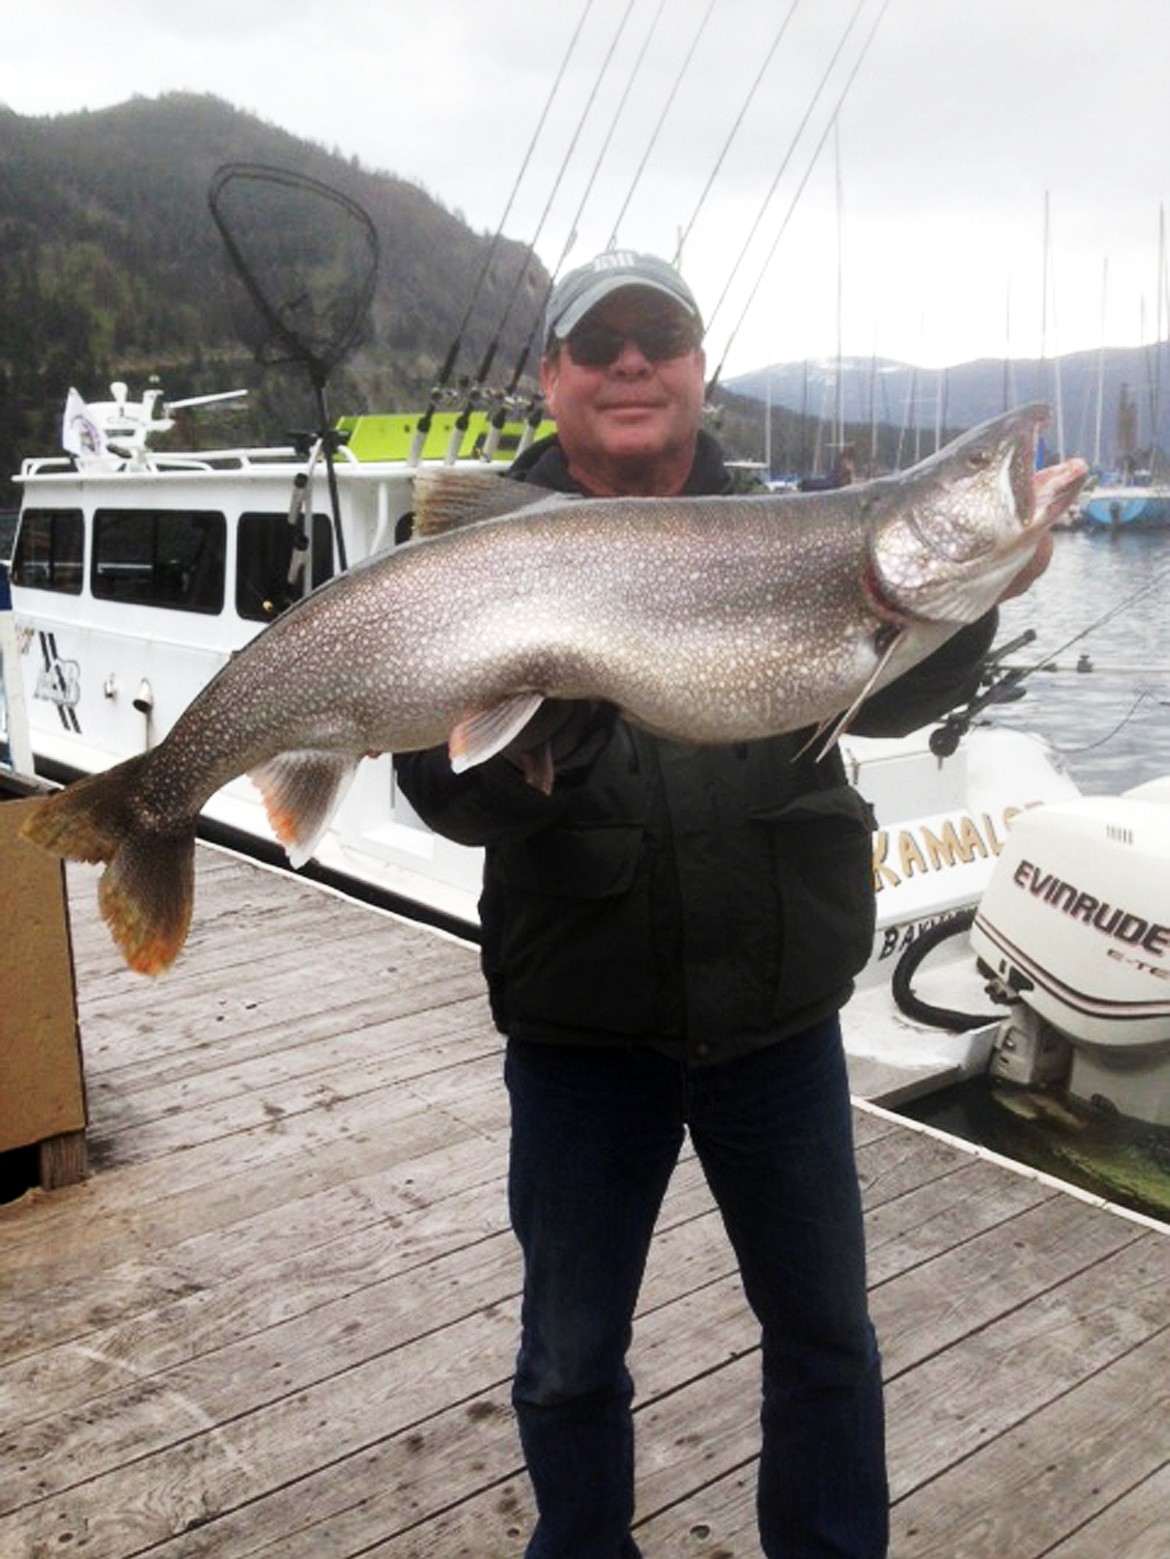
point(1001, 686)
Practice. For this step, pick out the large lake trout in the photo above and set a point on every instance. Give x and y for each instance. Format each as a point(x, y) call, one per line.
point(701, 619)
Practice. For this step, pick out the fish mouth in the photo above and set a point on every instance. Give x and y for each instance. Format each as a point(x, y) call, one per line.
point(1017, 473)
point(1042, 495)
point(1055, 487)
point(1021, 464)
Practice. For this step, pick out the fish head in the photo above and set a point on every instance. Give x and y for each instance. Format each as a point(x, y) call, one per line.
point(949, 535)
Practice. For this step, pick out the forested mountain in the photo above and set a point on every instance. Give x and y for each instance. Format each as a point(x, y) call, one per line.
point(112, 268)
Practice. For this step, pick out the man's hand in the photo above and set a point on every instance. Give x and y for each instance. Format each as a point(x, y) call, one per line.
point(562, 736)
point(1032, 569)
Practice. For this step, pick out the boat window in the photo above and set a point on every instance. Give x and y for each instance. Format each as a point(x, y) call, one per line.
point(49, 550)
point(267, 578)
point(160, 557)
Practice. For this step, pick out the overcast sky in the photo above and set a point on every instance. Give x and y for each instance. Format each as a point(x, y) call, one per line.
point(920, 225)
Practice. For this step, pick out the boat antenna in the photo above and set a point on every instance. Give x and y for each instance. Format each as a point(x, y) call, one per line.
point(733, 132)
point(307, 256)
point(611, 242)
point(768, 258)
point(453, 351)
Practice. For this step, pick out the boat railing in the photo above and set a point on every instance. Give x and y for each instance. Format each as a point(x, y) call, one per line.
point(155, 461)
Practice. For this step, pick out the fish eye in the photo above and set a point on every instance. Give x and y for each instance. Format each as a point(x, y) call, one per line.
point(978, 459)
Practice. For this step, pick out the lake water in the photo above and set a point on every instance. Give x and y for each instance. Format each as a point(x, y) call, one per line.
point(1111, 724)
point(1112, 728)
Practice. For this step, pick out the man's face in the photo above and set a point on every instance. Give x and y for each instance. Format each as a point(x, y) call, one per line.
point(637, 415)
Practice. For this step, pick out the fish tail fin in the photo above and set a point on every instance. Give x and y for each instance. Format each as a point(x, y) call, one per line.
point(148, 887)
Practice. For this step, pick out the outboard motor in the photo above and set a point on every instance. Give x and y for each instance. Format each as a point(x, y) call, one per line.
point(1074, 931)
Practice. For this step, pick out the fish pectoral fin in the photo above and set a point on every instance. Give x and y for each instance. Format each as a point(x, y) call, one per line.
point(482, 735)
point(818, 732)
point(837, 727)
point(301, 792)
point(447, 499)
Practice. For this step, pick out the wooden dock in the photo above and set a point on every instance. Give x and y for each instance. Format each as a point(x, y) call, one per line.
point(279, 1318)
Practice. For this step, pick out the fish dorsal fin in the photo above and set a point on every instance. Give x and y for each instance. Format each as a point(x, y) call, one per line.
point(447, 499)
point(301, 792)
point(483, 734)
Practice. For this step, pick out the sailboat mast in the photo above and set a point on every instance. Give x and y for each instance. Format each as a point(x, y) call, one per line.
point(839, 416)
point(1049, 295)
point(1101, 366)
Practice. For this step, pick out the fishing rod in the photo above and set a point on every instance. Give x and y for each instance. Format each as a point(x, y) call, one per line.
point(475, 386)
point(1006, 683)
point(734, 131)
point(611, 242)
point(613, 124)
point(536, 402)
point(507, 396)
point(713, 381)
point(783, 168)
point(535, 405)
point(425, 422)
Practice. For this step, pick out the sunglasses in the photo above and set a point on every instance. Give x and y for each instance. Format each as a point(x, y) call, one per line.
point(597, 346)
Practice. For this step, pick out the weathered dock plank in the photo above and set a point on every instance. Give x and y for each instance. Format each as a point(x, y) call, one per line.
point(279, 1318)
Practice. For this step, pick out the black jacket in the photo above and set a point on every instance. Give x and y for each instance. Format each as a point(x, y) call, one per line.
point(706, 899)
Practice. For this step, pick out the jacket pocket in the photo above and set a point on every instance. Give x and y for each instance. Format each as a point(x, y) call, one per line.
point(577, 946)
point(822, 858)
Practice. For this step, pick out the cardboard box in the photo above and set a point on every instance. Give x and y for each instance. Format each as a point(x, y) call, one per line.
point(42, 1085)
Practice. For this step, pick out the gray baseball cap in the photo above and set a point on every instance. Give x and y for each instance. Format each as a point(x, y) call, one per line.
point(582, 289)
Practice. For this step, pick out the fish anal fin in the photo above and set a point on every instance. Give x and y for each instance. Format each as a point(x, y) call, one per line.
point(301, 791)
point(447, 499)
point(481, 735)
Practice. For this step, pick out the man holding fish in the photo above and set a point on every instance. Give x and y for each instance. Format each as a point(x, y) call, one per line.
point(639, 689)
point(669, 932)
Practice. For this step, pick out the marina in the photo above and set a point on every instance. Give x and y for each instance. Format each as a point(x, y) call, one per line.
point(258, 1289)
point(279, 1316)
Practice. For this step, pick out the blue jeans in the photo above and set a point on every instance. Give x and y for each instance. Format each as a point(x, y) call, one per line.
point(596, 1133)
